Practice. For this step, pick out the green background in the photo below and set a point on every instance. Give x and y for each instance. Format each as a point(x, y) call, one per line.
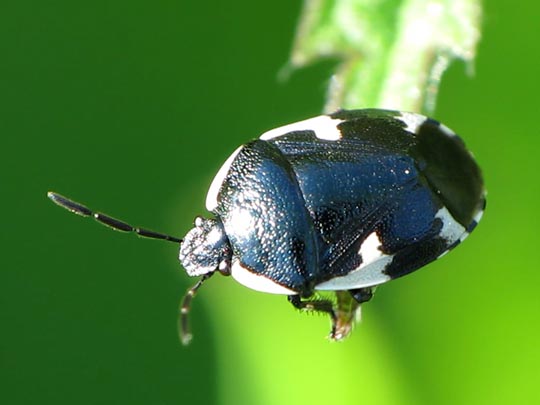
point(131, 107)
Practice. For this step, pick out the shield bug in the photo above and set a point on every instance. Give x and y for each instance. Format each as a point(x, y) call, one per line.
point(340, 202)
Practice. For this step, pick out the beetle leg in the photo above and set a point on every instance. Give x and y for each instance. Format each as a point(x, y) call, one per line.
point(312, 305)
point(325, 306)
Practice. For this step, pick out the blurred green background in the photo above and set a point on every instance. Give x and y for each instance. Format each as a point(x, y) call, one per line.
point(131, 107)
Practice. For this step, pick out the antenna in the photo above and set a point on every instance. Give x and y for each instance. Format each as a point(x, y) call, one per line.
point(118, 225)
point(107, 220)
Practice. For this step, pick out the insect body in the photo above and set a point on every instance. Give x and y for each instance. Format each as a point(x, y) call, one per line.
point(340, 202)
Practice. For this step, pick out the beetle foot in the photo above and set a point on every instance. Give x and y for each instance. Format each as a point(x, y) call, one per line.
point(346, 314)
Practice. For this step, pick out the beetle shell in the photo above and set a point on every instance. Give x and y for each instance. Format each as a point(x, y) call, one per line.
point(345, 201)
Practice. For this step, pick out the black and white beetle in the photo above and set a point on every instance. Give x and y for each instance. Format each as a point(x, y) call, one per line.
point(340, 202)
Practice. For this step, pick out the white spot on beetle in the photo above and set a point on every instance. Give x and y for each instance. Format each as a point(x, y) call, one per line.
point(257, 282)
point(324, 127)
point(369, 250)
point(451, 229)
point(219, 178)
point(478, 216)
point(366, 275)
point(447, 131)
point(464, 236)
point(412, 121)
point(369, 273)
point(443, 254)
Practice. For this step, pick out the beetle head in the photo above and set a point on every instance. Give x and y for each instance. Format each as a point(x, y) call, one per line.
point(206, 248)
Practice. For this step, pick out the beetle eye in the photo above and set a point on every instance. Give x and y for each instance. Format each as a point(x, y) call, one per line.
point(198, 221)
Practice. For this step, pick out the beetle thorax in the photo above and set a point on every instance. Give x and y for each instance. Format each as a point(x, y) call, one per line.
point(205, 248)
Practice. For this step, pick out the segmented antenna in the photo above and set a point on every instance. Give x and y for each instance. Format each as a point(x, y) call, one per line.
point(116, 224)
point(107, 220)
point(184, 329)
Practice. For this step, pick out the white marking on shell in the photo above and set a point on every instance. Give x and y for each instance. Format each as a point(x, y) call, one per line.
point(369, 273)
point(324, 127)
point(478, 216)
point(451, 230)
point(411, 120)
point(443, 254)
point(365, 276)
point(447, 131)
point(257, 282)
point(369, 250)
point(219, 178)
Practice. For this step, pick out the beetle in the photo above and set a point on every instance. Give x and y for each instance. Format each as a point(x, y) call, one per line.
point(341, 202)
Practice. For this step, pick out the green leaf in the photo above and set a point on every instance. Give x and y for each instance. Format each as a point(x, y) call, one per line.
point(392, 53)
